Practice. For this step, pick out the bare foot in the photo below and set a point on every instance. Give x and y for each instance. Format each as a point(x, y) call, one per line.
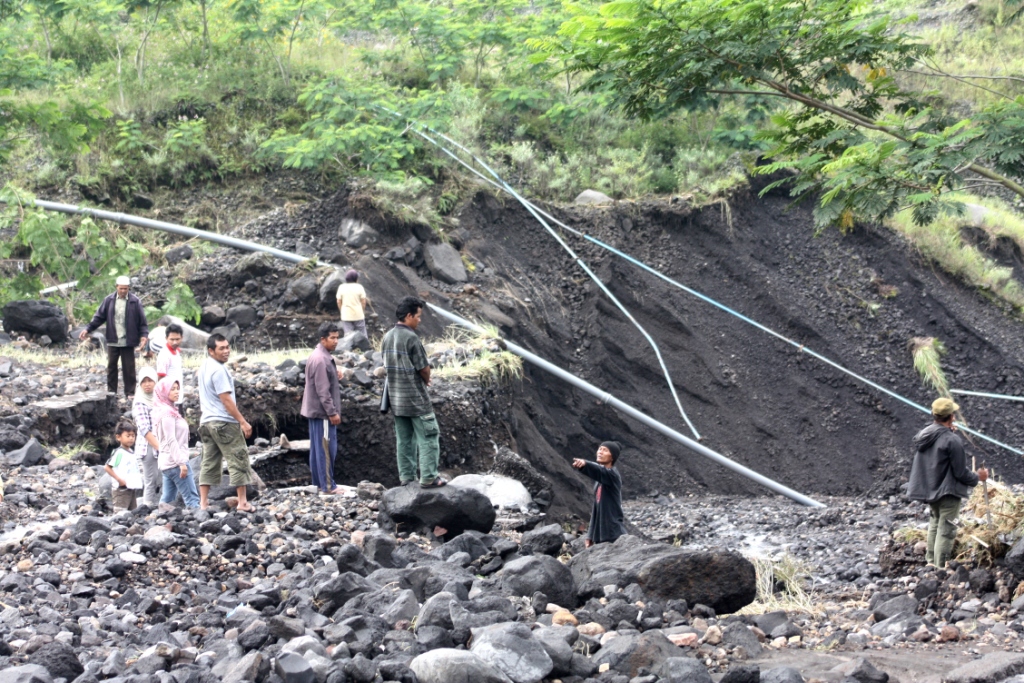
point(247, 508)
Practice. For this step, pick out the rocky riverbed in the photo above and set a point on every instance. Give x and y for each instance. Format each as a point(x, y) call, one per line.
point(312, 588)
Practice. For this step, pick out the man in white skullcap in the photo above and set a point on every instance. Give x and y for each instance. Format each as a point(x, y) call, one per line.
point(127, 330)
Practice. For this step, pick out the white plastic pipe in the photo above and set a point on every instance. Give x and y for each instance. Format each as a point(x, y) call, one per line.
point(605, 397)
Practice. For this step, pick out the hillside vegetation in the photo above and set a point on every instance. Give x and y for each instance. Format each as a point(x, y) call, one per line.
point(113, 98)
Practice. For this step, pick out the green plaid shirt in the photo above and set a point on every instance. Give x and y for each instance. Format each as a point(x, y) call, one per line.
point(404, 357)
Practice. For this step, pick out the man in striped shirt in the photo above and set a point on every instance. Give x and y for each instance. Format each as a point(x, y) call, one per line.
point(416, 430)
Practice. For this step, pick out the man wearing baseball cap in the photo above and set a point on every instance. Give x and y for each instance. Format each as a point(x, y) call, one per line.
point(941, 478)
point(126, 329)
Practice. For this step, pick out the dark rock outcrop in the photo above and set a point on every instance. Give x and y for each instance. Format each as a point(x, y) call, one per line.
point(36, 318)
point(453, 509)
point(725, 581)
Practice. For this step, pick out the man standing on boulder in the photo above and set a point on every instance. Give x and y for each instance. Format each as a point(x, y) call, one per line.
point(126, 330)
point(606, 517)
point(352, 304)
point(416, 430)
point(222, 429)
point(321, 405)
point(168, 361)
point(941, 478)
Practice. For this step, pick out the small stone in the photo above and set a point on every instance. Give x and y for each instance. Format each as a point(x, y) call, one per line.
point(564, 617)
point(684, 639)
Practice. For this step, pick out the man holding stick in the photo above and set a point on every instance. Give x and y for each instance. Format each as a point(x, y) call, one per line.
point(941, 478)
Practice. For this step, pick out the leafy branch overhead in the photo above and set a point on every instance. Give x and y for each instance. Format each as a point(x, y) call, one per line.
point(868, 145)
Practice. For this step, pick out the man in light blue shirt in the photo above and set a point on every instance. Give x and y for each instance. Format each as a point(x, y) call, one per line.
point(222, 428)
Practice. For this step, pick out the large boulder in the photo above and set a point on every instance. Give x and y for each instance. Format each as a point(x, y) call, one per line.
point(12, 437)
point(444, 262)
point(678, 669)
point(302, 290)
point(178, 254)
point(1015, 559)
point(546, 540)
point(512, 648)
point(29, 673)
point(242, 315)
point(336, 591)
point(503, 492)
point(252, 266)
point(723, 580)
point(59, 659)
point(628, 654)
point(452, 508)
point(540, 573)
point(28, 455)
point(899, 605)
point(36, 318)
point(213, 315)
point(231, 331)
point(329, 289)
point(357, 234)
point(446, 665)
point(593, 198)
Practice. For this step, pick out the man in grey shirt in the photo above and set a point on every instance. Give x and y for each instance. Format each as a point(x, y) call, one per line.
point(222, 428)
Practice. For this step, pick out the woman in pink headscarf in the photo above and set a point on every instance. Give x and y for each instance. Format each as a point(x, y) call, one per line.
point(172, 432)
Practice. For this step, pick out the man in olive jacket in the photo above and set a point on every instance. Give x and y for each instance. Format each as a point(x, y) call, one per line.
point(941, 478)
point(321, 405)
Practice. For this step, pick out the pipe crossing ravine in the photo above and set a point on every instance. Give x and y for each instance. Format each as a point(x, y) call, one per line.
point(547, 366)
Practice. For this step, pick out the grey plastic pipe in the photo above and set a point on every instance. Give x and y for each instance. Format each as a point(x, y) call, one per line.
point(172, 228)
point(605, 397)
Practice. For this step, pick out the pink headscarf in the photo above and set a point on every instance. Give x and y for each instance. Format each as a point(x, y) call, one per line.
point(162, 402)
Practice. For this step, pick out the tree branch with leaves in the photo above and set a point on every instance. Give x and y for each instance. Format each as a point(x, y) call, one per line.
point(852, 134)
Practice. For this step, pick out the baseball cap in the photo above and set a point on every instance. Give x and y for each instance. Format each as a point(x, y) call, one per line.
point(944, 407)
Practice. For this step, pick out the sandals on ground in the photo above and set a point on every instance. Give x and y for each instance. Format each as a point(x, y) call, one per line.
point(436, 484)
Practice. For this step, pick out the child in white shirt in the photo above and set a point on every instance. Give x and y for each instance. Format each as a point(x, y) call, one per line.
point(123, 468)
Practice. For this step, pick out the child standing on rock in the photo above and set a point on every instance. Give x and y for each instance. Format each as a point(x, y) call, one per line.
point(172, 432)
point(123, 468)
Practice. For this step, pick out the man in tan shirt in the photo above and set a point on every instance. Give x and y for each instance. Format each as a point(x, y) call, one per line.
point(352, 304)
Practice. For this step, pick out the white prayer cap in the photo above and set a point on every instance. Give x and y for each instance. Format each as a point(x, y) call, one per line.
point(124, 280)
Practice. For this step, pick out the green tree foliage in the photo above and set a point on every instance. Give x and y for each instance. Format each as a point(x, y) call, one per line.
point(348, 129)
point(63, 250)
point(180, 302)
point(851, 132)
point(69, 128)
point(269, 22)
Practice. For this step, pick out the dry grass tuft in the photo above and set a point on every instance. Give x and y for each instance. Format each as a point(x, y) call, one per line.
point(980, 543)
point(73, 358)
point(780, 586)
point(927, 353)
point(71, 451)
point(977, 542)
point(467, 355)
